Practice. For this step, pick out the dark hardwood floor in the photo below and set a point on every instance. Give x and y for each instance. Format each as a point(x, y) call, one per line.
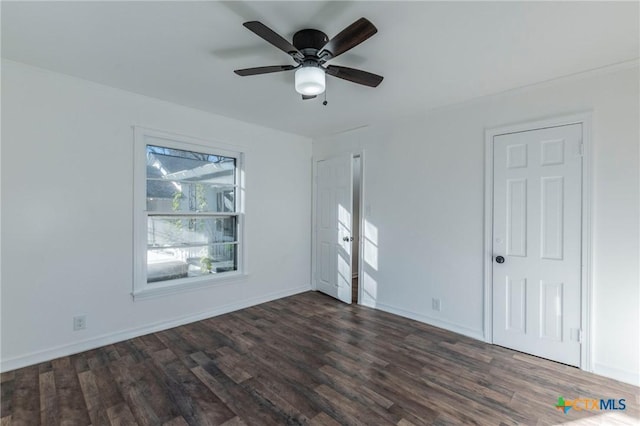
point(354, 290)
point(305, 359)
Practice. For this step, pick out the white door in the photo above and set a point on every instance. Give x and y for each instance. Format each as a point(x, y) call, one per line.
point(333, 227)
point(537, 220)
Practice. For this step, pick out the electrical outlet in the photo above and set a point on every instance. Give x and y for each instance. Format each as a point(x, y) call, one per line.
point(435, 304)
point(79, 322)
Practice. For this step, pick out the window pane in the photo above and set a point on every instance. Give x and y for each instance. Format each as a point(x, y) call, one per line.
point(179, 180)
point(163, 196)
point(165, 264)
point(187, 231)
point(183, 246)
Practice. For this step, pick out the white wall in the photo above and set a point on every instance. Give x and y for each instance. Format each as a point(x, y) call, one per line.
point(67, 200)
point(424, 191)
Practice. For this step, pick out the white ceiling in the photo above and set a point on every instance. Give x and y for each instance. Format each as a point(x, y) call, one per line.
point(431, 53)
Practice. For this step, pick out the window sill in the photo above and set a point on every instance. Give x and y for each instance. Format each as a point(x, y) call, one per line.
point(152, 291)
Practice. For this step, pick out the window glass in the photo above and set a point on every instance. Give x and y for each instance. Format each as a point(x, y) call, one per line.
point(186, 181)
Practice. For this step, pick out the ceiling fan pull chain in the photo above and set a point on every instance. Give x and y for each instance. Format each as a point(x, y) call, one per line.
point(325, 96)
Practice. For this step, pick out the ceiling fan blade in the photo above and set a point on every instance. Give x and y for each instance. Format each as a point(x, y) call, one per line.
point(272, 37)
point(264, 70)
point(307, 97)
point(348, 38)
point(354, 75)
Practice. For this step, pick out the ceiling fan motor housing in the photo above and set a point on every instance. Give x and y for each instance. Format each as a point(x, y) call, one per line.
point(309, 42)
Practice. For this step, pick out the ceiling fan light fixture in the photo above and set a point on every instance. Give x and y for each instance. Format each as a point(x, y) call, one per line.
point(310, 81)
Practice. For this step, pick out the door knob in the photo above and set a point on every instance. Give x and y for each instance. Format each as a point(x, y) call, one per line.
point(499, 259)
point(345, 239)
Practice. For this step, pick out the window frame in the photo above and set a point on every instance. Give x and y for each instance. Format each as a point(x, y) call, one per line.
point(143, 137)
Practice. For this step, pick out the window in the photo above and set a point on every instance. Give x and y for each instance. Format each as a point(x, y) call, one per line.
point(187, 219)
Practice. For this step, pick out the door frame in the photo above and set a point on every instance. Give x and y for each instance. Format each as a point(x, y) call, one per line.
point(360, 226)
point(586, 285)
point(314, 203)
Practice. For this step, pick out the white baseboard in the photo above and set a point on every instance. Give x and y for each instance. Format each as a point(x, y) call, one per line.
point(446, 325)
point(630, 377)
point(110, 338)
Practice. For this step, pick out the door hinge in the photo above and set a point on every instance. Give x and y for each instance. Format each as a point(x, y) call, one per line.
point(576, 335)
point(581, 149)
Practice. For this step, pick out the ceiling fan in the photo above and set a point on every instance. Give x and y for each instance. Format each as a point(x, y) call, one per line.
point(311, 49)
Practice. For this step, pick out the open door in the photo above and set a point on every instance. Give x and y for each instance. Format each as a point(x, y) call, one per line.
point(333, 236)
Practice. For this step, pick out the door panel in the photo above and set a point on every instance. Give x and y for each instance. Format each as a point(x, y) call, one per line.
point(537, 214)
point(517, 217)
point(334, 192)
point(551, 311)
point(551, 223)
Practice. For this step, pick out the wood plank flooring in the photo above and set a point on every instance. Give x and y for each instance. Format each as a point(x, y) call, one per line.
point(306, 359)
point(354, 290)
